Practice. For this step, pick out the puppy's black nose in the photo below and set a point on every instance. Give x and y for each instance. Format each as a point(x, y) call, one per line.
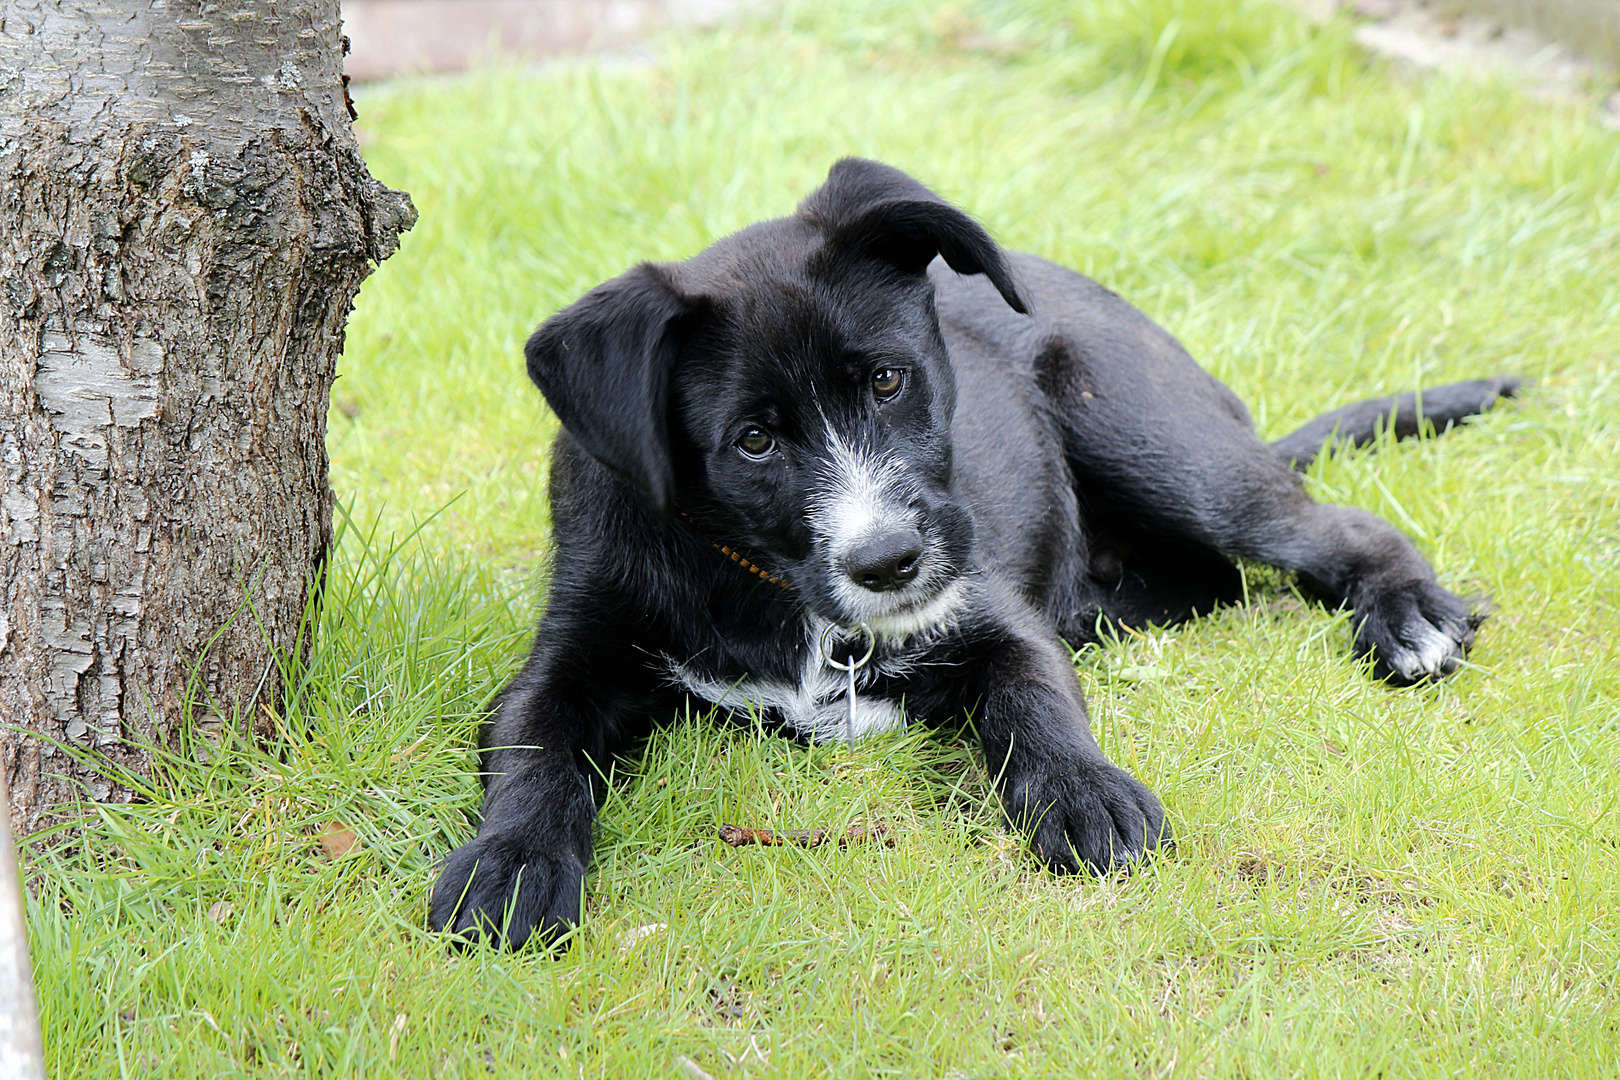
point(886, 562)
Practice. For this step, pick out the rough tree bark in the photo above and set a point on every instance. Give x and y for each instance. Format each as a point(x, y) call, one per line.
point(184, 222)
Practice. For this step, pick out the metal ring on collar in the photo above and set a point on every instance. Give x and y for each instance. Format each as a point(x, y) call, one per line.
point(853, 665)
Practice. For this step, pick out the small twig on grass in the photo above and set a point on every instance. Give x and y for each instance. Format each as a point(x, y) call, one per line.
point(742, 836)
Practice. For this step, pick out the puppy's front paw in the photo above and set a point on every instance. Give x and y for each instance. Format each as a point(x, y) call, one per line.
point(1083, 813)
point(1414, 632)
point(496, 893)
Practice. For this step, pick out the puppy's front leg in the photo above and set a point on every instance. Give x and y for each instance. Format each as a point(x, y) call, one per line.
point(1055, 784)
point(551, 735)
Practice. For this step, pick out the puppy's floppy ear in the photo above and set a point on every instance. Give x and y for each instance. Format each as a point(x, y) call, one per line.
point(867, 208)
point(603, 364)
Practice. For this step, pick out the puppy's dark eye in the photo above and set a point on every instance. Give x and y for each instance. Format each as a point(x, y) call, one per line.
point(886, 382)
point(756, 443)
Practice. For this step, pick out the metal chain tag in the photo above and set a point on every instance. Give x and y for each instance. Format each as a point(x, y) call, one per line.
point(850, 669)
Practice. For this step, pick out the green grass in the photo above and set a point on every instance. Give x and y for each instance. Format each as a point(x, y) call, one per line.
point(1401, 883)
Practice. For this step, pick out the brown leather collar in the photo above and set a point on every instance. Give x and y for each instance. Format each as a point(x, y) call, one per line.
point(734, 556)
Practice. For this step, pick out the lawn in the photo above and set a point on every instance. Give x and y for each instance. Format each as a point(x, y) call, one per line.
point(1367, 882)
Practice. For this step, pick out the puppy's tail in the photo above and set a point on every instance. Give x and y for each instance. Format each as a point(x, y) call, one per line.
point(1404, 414)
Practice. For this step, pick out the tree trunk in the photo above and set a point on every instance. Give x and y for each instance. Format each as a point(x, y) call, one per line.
point(184, 223)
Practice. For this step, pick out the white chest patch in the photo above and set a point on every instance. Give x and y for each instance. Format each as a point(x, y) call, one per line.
point(817, 706)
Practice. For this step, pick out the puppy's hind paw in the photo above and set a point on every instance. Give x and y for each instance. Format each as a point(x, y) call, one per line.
point(492, 893)
point(1416, 633)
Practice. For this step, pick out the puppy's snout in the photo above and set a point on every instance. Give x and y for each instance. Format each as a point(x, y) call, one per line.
point(885, 562)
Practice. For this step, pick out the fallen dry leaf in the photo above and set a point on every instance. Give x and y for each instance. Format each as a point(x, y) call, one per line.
point(393, 1040)
point(337, 839)
point(631, 938)
point(402, 754)
point(691, 1068)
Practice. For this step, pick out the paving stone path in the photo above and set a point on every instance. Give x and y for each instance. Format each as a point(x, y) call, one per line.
point(391, 38)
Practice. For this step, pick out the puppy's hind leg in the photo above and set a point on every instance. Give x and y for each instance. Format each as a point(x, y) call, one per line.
point(1411, 628)
point(1161, 447)
point(1233, 494)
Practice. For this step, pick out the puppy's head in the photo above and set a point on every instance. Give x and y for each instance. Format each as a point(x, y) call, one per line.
point(789, 389)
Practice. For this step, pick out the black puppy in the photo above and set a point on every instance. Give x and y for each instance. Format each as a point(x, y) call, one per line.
point(815, 438)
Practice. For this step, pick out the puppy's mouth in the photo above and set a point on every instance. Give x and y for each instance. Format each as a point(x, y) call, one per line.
point(922, 612)
point(925, 605)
